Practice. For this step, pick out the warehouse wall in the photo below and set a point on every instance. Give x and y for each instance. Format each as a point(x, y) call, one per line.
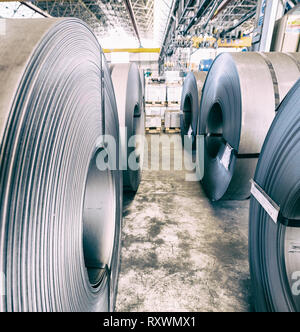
point(143, 60)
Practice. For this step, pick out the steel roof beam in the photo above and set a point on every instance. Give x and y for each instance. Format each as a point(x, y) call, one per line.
point(245, 18)
point(129, 8)
point(35, 8)
point(221, 8)
point(204, 5)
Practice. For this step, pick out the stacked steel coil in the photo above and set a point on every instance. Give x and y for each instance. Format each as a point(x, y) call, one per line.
point(274, 238)
point(239, 99)
point(60, 215)
point(190, 104)
point(130, 102)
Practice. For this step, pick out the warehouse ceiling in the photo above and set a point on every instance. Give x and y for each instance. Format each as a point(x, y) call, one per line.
point(233, 11)
point(112, 17)
point(220, 19)
point(104, 15)
point(122, 18)
point(161, 22)
point(206, 18)
point(211, 17)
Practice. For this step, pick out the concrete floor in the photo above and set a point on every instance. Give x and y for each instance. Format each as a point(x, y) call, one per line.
point(181, 252)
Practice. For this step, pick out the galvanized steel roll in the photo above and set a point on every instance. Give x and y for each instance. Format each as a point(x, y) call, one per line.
point(239, 99)
point(129, 97)
point(60, 214)
point(274, 228)
point(190, 103)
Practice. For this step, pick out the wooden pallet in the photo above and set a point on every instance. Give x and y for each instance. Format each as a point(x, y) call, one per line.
point(156, 103)
point(175, 84)
point(172, 130)
point(156, 130)
point(174, 103)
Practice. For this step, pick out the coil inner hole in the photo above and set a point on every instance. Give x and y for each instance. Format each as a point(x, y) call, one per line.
point(214, 130)
point(187, 113)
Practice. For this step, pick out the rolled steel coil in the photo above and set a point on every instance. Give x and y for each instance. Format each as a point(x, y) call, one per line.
point(239, 99)
point(190, 103)
point(129, 97)
point(60, 214)
point(274, 248)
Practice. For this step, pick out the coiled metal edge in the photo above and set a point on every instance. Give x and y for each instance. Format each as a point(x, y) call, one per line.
point(273, 248)
point(60, 216)
point(190, 104)
point(129, 96)
point(237, 108)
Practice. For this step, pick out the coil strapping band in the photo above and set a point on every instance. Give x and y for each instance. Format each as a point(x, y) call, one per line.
point(227, 156)
point(273, 209)
point(274, 79)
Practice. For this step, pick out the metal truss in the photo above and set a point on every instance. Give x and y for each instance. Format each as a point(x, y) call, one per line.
point(234, 11)
point(144, 13)
point(219, 14)
point(104, 15)
point(190, 18)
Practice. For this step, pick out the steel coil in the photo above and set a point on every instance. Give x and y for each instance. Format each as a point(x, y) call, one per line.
point(238, 105)
point(129, 96)
point(60, 215)
point(190, 103)
point(273, 247)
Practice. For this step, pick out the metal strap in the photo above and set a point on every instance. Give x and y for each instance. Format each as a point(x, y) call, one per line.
point(230, 152)
point(271, 207)
point(225, 160)
point(190, 132)
point(274, 79)
point(227, 156)
point(241, 155)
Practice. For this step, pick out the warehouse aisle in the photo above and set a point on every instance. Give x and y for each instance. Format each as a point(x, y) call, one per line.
point(181, 252)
